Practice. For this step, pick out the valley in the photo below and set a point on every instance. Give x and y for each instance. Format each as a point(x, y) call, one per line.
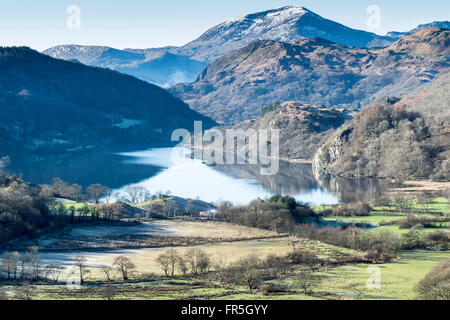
point(108, 191)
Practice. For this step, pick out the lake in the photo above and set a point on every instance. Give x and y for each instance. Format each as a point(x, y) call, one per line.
point(168, 169)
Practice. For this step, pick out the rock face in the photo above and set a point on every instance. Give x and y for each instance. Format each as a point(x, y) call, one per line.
point(404, 139)
point(316, 71)
point(303, 128)
point(332, 151)
point(48, 104)
point(170, 65)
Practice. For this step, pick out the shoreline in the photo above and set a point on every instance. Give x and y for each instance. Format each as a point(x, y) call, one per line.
point(421, 186)
point(288, 160)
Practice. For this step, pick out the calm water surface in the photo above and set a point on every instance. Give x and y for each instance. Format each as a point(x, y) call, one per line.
point(167, 169)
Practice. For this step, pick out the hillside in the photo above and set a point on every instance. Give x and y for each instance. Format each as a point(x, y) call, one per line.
point(434, 24)
point(403, 138)
point(48, 104)
point(283, 24)
point(237, 86)
point(171, 65)
point(434, 41)
point(157, 66)
point(303, 128)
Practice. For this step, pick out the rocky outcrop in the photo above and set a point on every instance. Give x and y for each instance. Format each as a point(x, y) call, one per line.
point(331, 151)
point(395, 139)
point(303, 128)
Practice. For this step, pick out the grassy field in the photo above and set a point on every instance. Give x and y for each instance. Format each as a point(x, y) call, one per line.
point(146, 259)
point(438, 204)
point(397, 279)
point(210, 229)
point(387, 214)
point(374, 219)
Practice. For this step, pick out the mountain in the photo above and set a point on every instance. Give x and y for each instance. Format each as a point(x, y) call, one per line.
point(303, 128)
point(284, 24)
point(170, 65)
point(237, 86)
point(403, 139)
point(157, 66)
point(431, 42)
point(434, 24)
point(48, 104)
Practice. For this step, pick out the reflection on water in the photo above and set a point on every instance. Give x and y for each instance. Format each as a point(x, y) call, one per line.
point(165, 170)
point(84, 168)
point(350, 190)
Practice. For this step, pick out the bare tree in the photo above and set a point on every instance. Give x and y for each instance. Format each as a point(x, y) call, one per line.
point(24, 260)
point(168, 262)
point(75, 192)
point(108, 292)
point(250, 271)
point(107, 270)
point(9, 264)
point(198, 261)
point(164, 263)
point(53, 272)
point(108, 195)
point(220, 265)
point(95, 192)
point(137, 194)
point(307, 281)
point(307, 258)
point(80, 264)
point(35, 262)
point(401, 202)
point(278, 265)
point(59, 187)
point(182, 266)
point(125, 266)
point(423, 201)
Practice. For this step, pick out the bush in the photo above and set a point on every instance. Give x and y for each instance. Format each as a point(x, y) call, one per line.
point(359, 209)
point(414, 239)
point(279, 214)
point(307, 258)
point(426, 222)
point(23, 211)
point(436, 284)
point(439, 239)
point(381, 244)
point(269, 288)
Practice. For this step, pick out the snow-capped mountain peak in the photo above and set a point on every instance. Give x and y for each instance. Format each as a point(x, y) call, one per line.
point(84, 54)
point(283, 24)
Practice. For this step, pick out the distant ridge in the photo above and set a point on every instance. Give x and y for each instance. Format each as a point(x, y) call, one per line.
point(434, 24)
point(170, 65)
point(315, 71)
point(50, 105)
